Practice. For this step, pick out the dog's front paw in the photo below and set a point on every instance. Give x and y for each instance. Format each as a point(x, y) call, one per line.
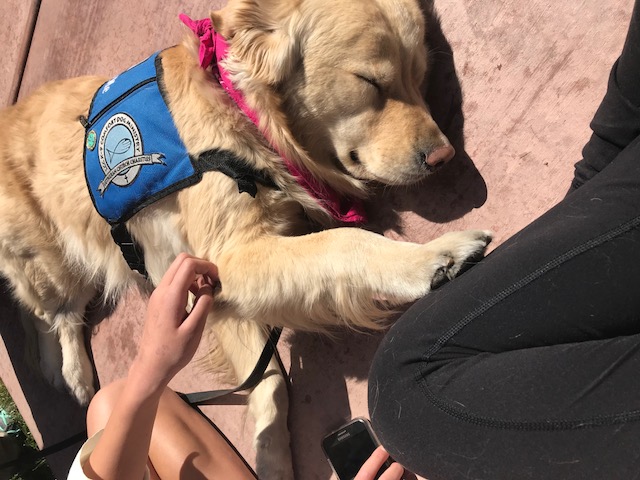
point(78, 376)
point(457, 251)
point(82, 392)
point(273, 454)
point(75, 377)
point(50, 358)
point(79, 387)
point(52, 373)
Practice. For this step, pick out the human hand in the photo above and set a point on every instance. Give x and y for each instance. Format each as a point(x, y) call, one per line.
point(371, 467)
point(171, 337)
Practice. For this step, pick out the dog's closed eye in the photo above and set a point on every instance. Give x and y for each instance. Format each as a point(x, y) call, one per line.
point(370, 81)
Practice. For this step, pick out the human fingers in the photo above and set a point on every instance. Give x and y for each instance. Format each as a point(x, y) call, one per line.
point(201, 307)
point(178, 262)
point(394, 472)
point(191, 273)
point(189, 333)
point(171, 336)
point(202, 280)
point(192, 269)
point(167, 278)
point(373, 464)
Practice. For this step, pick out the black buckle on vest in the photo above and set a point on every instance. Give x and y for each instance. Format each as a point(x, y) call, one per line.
point(132, 253)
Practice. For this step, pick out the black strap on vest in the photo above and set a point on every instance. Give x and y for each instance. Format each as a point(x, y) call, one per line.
point(131, 252)
point(233, 167)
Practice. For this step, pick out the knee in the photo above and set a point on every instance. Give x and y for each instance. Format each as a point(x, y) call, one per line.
point(395, 387)
point(389, 377)
point(101, 406)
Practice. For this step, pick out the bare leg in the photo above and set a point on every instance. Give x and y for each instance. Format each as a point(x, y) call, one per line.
point(183, 443)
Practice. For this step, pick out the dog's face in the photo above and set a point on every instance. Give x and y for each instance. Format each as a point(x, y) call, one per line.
point(350, 77)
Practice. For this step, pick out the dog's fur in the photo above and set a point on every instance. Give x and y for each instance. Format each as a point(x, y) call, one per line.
point(303, 65)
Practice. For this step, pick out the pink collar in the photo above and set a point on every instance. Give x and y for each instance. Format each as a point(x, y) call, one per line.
point(213, 49)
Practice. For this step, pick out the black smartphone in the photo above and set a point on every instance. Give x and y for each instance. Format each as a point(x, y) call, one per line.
point(349, 447)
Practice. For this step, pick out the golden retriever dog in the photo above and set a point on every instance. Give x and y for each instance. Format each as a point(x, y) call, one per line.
point(334, 88)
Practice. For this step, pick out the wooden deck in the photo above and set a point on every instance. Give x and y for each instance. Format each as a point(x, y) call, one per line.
point(514, 86)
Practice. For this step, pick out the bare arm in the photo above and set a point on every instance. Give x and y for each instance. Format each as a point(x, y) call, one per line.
point(169, 341)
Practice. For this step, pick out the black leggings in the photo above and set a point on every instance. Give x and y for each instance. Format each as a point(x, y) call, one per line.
point(528, 365)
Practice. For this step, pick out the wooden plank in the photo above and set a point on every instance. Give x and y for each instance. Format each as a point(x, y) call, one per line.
point(514, 84)
point(78, 37)
point(16, 25)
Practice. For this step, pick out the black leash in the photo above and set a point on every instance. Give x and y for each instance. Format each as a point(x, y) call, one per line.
point(207, 398)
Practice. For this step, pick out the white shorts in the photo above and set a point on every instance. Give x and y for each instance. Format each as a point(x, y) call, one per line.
point(76, 472)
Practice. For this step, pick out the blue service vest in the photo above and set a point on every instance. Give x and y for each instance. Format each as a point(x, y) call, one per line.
point(134, 156)
point(133, 152)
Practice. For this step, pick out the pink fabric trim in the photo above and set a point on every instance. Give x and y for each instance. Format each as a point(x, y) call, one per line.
point(204, 31)
point(212, 44)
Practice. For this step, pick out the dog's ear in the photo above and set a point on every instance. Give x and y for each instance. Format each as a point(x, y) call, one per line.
point(260, 34)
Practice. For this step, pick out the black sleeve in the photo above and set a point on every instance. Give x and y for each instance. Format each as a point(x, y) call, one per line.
point(617, 121)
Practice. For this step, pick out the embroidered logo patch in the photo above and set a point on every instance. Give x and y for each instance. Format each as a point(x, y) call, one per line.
point(120, 152)
point(91, 140)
